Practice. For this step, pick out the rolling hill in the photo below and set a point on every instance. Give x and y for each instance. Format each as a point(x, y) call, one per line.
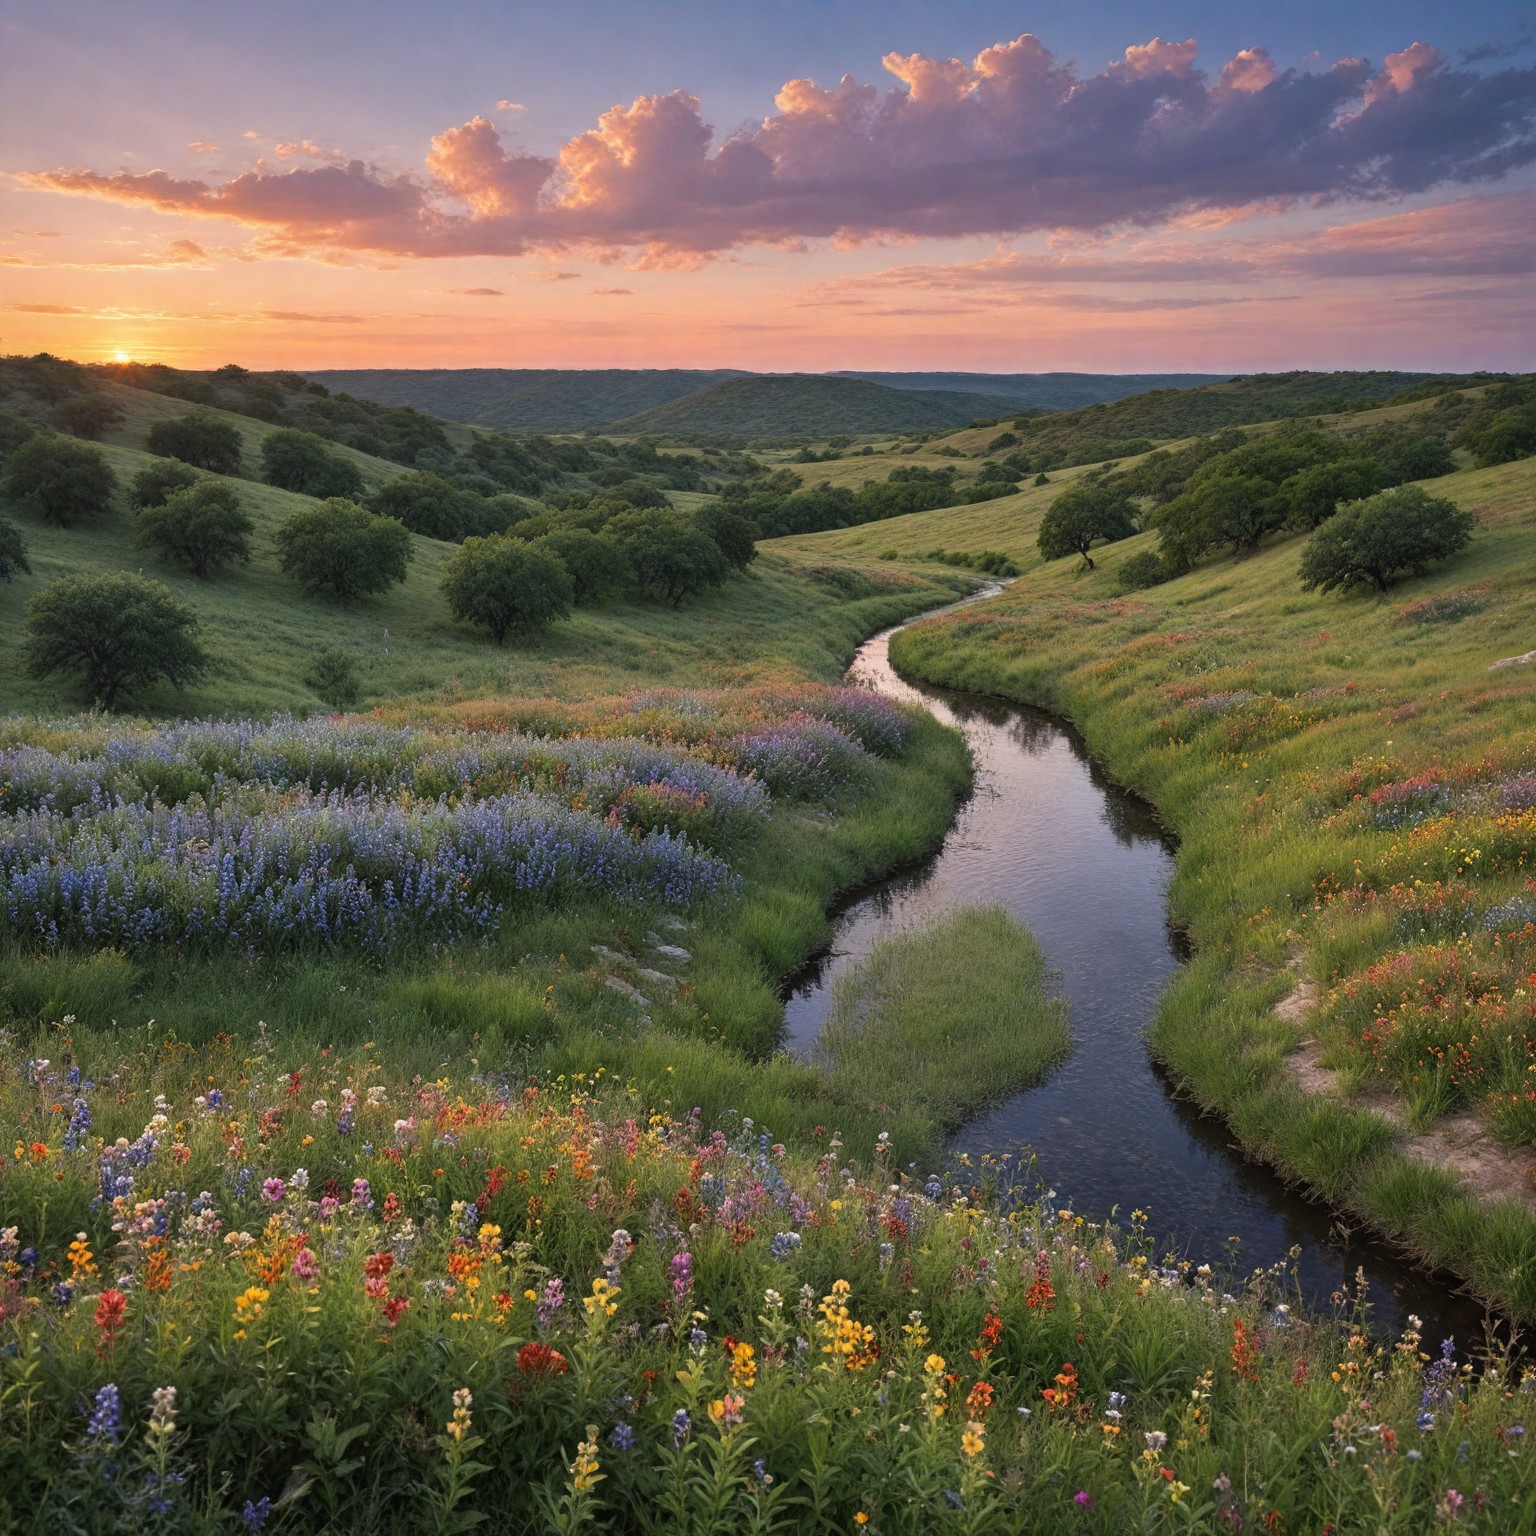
point(524, 399)
point(1041, 391)
point(810, 405)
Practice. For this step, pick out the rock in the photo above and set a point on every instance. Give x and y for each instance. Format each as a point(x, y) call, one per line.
point(612, 956)
point(1512, 661)
point(674, 952)
point(659, 980)
point(623, 988)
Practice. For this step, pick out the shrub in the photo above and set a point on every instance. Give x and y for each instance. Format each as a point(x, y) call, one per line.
point(118, 632)
point(159, 481)
point(596, 565)
point(13, 552)
point(88, 415)
point(58, 479)
point(671, 558)
point(507, 586)
point(340, 546)
point(427, 504)
point(202, 527)
point(1143, 569)
point(334, 676)
point(1380, 540)
point(302, 462)
point(200, 439)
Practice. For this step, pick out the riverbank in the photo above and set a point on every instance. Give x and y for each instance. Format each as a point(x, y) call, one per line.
point(1338, 772)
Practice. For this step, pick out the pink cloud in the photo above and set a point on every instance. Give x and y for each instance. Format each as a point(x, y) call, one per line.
point(1012, 142)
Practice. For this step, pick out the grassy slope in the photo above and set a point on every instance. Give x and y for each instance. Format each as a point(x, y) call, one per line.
point(1251, 852)
point(264, 631)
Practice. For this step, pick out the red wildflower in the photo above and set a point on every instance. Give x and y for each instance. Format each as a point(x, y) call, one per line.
point(394, 1309)
point(538, 1359)
point(377, 1265)
point(111, 1310)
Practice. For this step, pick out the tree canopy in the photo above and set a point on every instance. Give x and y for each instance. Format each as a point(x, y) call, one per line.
point(57, 479)
point(160, 480)
point(199, 438)
point(339, 546)
point(596, 565)
point(1083, 515)
point(508, 586)
point(1379, 540)
point(202, 527)
point(302, 462)
point(116, 632)
point(669, 556)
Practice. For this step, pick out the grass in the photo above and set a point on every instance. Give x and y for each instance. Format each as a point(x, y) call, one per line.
point(1261, 721)
point(942, 1022)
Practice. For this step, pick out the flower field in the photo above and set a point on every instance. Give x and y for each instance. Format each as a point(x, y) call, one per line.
point(246, 1291)
point(284, 834)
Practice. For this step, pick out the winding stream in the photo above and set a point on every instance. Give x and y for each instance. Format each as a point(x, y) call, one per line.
point(1086, 867)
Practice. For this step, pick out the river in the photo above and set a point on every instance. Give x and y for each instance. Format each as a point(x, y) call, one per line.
point(1086, 867)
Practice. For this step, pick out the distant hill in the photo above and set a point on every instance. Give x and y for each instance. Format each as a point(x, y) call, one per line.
point(811, 405)
point(1042, 391)
point(524, 399)
point(1173, 413)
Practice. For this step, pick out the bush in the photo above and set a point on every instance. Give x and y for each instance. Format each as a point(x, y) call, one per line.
point(1042, 478)
point(340, 546)
point(58, 479)
point(88, 415)
point(335, 679)
point(13, 552)
point(117, 632)
point(159, 482)
point(596, 565)
point(200, 439)
point(302, 462)
point(202, 527)
point(429, 505)
point(507, 586)
point(1377, 541)
point(1082, 516)
point(669, 555)
point(1143, 569)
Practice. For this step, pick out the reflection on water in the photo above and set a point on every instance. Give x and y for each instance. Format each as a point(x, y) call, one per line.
point(1085, 866)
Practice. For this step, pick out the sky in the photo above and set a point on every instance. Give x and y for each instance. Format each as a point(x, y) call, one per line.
point(1094, 185)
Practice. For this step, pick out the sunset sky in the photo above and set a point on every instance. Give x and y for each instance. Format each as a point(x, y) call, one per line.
point(1104, 185)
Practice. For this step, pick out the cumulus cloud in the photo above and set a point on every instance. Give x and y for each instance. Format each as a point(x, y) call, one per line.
point(1012, 142)
point(204, 147)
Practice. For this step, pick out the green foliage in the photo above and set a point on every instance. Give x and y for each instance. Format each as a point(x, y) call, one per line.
point(1145, 568)
point(203, 527)
point(1082, 516)
point(733, 535)
point(58, 480)
point(669, 556)
point(335, 678)
point(115, 633)
point(201, 439)
point(301, 461)
point(339, 546)
point(88, 414)
point(13, 552)
point(14, 431)
point(1315, 493)
point(160, 480)
point(506, 585)
point(1396, 533)
point(427, 504)
point(1502, 426)
point(596, 565)
point(993, 562)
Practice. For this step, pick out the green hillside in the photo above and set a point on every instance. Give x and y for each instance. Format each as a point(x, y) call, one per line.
point(1040, 391)
point(810, 405)
point(524, 399)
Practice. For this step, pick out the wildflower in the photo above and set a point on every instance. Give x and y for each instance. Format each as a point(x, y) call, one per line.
point(394, 1309)
point(273, 1191)
point(727, 1410)
point(916, 1331)
point(1155, 1439)
point(111, 1309)
point(585, 1475)
point(1061, 1395)
point(979, 1399)
point(81, 1257)
point(1082, 1498)
point(1450, 1504)
point(971, 1441)
point(622, 1437)
point(600, 1303)
point(1176, 1490)
point(248, 1306)
point(860, 1518)
point(305, 1265)
point(682, 1422)
point(106, 1415)
point(761, 1472)
point(538, 1359)
point(459, 1425)
point(253, 1516)
point(162, 1410)
point(991, 1332)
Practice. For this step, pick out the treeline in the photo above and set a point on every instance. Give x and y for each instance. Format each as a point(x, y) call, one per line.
point(775, 504)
